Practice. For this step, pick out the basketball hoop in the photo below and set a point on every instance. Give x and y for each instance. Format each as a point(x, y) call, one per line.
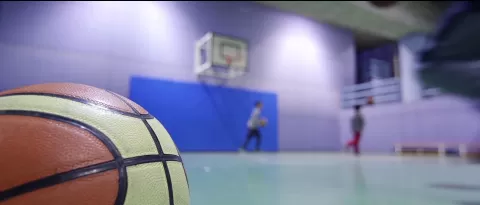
point(228, 60)
point(220, 56)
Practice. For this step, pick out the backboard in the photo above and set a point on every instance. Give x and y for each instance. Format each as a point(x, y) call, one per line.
point(221, 56)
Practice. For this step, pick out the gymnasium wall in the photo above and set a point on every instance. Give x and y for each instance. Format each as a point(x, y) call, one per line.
point(416, 120)
point(104, 44)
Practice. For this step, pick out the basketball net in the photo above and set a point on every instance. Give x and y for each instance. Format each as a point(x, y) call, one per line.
point(231, 69)
point(228, 60)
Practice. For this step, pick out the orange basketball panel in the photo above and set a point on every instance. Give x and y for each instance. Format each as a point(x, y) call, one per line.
point(32, 148)
point(97, 189)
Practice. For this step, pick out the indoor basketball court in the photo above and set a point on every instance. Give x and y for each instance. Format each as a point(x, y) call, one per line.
point(237, 103)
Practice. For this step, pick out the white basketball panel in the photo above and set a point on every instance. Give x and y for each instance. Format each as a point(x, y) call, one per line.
point(226, 46)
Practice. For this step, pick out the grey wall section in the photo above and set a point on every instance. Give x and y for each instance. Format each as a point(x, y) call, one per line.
point(408, 49)
point(441, 119)
point(104, 43)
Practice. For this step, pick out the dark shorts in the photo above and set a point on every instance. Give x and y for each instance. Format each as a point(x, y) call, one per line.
point(253, 132)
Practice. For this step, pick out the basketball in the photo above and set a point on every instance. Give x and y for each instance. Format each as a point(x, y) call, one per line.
point(264, 122)
point(370, 100)
point(383, 4)
point(74, 144)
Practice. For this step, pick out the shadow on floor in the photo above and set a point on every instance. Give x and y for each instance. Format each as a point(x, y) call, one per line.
point(468, 203)
point(458, 187)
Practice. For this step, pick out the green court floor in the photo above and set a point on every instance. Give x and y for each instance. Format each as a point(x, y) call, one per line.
point(330, 179)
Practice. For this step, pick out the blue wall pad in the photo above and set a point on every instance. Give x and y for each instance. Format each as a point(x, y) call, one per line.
point(202, 117)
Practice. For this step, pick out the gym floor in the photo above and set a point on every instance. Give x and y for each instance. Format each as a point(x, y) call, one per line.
point(330, 179)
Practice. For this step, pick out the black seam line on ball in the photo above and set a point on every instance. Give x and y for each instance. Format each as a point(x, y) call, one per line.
point(159, 149)
point(118, 160)
point(151, 158)
point(84, 101)
point(97, 133)
point(150, 130)
point(82, 172)
point(57, 179)
point(169, 183)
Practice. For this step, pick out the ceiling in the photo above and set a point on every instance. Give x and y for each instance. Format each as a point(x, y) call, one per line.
point(366, 40)
point(371, 26)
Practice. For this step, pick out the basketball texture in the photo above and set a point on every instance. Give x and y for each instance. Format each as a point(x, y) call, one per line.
point(73, 144)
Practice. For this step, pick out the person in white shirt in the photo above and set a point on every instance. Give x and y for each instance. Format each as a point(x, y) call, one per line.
point(255, 122)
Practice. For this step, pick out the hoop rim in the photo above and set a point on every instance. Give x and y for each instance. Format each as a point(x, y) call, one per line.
point(228, 60)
